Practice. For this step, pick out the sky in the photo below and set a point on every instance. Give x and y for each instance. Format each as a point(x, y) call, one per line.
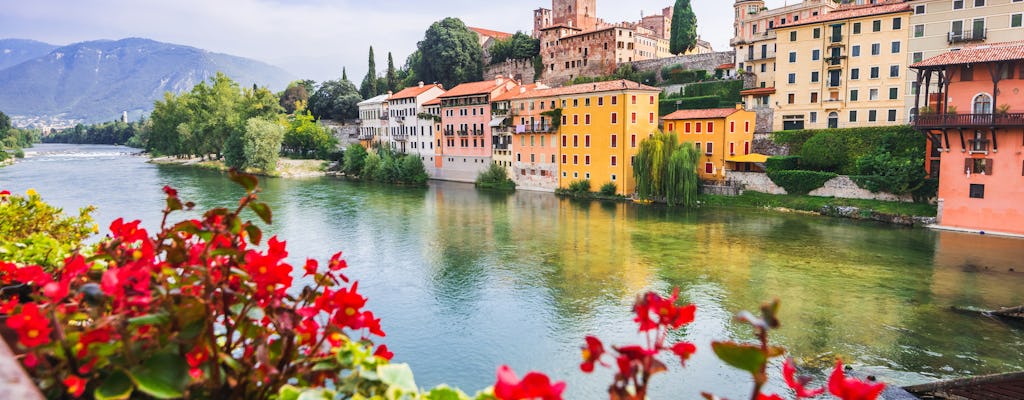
point(312, 39)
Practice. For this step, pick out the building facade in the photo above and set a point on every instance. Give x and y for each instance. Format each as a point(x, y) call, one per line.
point(843, 69)
point(723, 137)
point(373, 120)
point(976, 122)
point(534, 141)
point(411, 131)
point(466, 147)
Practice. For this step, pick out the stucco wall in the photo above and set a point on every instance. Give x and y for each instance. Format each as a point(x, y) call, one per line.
point(460, 169)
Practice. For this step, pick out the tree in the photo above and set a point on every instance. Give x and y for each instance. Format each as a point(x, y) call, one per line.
point(5, 123)
point(684, 28)
point(392, 75)
point(295, 93)
point(355, 159)
point(667, 170)
point(261, 144)
point(450, 54)
point(337, 100)
point(519, 46)
point(344, 74)
point(306, 138)
point(369, 87)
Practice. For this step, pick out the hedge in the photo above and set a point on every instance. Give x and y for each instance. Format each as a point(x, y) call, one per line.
point(728, 90)
point(846, 146)
point(667, 106)
point(782, 163)
point(800, 182)
point(677, 74)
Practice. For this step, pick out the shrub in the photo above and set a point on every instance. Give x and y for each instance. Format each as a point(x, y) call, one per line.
point(495, 177)
point(782, 163)
point(609, 189)
point(800, 182)
point(355, 159)
point(727, 91)
point(33, 232)
point(411, 171)
point(826, 152)
point(581, 186)
point(667, 106)
point(19, 153)
point(678, 75)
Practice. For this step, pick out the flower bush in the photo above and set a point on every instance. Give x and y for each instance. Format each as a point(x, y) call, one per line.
point(193, 311)
point(33, 232)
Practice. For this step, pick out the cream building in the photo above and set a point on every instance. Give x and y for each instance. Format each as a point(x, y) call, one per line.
point(373, 117)
point(938, 26)
point(844, 69)
point(410, 131)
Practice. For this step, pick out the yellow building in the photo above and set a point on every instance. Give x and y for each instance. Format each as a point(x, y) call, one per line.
point(601, 129)
point(844, 69)
point(723, 137)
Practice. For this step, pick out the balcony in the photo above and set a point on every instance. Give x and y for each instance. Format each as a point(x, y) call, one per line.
point(836, 39)
point(537, 128)
point(503, 146)
point(834, 62)
point(477, 132)
point(449, 132)
point(463, 132)
point(977, 35)
point(401, 137)
point(365, 136)
point(979, 145)
point(969, 120)
point(384, 117)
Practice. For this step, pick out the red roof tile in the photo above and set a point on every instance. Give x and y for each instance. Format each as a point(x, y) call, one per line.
point(855, 11)
point(726, 66)
point(522, 91)
point(473, 88)
point(757, 91)
point(433, 102)
point(701, 114)
point(979, 53)
point(412, 92)
point(490, 33)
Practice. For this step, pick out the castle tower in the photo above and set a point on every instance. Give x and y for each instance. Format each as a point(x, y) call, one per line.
point(745, 9)
point(541, 20)
point(580, 14)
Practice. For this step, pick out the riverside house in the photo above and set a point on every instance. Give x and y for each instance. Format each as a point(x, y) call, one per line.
point(465, 119)
point(722, 136)
point(976, 123)
point(411, 132)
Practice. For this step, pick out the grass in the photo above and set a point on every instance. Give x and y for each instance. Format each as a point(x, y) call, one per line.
point(814, 204)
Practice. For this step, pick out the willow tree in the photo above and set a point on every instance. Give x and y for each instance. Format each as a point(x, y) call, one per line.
point(665, 170)
point(681, 177)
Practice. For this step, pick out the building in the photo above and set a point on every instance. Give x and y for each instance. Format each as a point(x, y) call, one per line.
point(600, 130)
point(723, 137)
point(373, 120)
point(412, 131)
point(938, 26)
point(533, 143)
point(433, 109)
point(843, 69)
point(506, 114)
point(465, 118)
point(976, 122)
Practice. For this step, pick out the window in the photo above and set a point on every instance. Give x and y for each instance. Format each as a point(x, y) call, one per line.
point(815, 55)
point(686, 127)
point(575, 160)
point(650, 118)
point(919, 9)
point(876, 25)
point(876, 49)
point(918, 56)
point(615, 117)
point(815, 75)
point(565, 159)
point(651, 100)
point(814, 117)
point(874, 72)
point(711, 127)
point(575, 119)
point(856, 28)
point(855, 50)
point(633, 117)
point(586, 160)
point(853, 94)
point(792, 98)
point(895, 47)
point(614, 161)
point(919, 30)
point(615, 100)
point(958, 4)
point(982, 104)
point(1016, 20)
point(586, 102)
point(979, 3)
point(814, 98)
point(853, 115)
point(732, 126)
point(894, 93)
point(872, 115)
point(817, 33)
point(872, 94)
point(792, 77)
point(575, 140)
point(615, 141)
point(634, 99)
point(710, 148)
point(792, 57)
point(977, 191)
point(854, 73)
point(600, 101)
point(897, 23)
point(892, 116)
point(586, 141)
point(586, 119)
point(700, 127)
point(894, 71)
point(575, 103)
point(564, 138)
point(792, 36)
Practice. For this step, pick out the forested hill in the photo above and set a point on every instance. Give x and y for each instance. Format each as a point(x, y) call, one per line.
point(97, 80)
point(17, 51)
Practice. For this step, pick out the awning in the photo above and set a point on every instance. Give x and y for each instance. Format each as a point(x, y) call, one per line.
point(497, 121)
point(751, 158)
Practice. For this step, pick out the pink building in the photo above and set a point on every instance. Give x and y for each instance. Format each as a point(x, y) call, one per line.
point(976, 122)
point(466, 132)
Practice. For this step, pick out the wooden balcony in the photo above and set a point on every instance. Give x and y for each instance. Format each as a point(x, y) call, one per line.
point(969, 120)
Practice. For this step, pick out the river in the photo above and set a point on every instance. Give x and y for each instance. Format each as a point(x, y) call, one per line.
point(467, 280)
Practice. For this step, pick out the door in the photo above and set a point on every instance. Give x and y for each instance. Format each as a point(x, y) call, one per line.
point(978, 29)
point(957, 30)
point(833, 120)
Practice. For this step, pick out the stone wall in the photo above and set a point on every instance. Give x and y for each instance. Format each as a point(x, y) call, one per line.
point(521, 70)
point(763, 144)
point(754, 181)
point(707, 62)
point(844, 187)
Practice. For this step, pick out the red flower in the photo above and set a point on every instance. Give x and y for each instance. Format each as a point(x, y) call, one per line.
point(30, 360)
point(591, 353)
point(384, 353)
point(76, 385)
point(5, 193)
point(852, 389)
point(337, 264)
point(170, 191)
point(8, 306)
point(684, 350)
point(653, 311)
point(534, 385)
point(762, 396)
point(32, 327)
point(797, 384)
point(311, 267)
point(197, 356)
point(101, 335)
point(33, 274)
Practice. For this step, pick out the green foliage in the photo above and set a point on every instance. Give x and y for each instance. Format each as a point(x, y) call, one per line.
point(412, 171)
point(14, 139)
point(800, 182)
point(625, 71)
point(495, 177)
point(556, 118)
point(257, 147)
point(307, 138)
point(896, 166)
point(667, 106)
point(115, 132)
point(369, 87)
point(838, 150)
point(581, 186)
point(34, 232)
point(728, 91)
point(682, 180)
point(449, 54)
point(677, 74)
point(666, 170)
point(336, 100)
point(608, 189)
point(5, 123)
point(684, 28)
point(392, 80)
point(295, 97)
point(782, 163)
point(517, 47)
point(355, 159)
point(384, 166)
point(826, 152)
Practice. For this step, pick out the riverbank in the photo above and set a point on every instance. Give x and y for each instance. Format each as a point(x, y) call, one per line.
point(286, 167)
point(898, 213)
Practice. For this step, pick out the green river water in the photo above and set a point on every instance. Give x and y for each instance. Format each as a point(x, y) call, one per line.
point(466, 281)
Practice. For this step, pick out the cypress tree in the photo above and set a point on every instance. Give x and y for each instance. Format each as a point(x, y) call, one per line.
point(369, 87)
point(392, 74)
point(684, 28)
point(344, 74)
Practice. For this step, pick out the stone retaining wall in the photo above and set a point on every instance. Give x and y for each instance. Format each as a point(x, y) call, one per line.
point(706, 61)
point(840, 187)
point(754, 182)
point(522, 70)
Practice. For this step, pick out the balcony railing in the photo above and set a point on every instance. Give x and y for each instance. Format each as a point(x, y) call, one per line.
point(977, 35)
point(836, 38)
point(463, 132)
point(401, 137)
point(979, 145)
point(449, 132)
point(365, 136)
point(835, 61)
point(503, 146)
point(536, 128)
point(477, 132)
point(969, 120)
point(384, 117)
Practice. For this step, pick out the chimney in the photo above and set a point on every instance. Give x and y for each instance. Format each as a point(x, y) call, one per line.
point(522, 89)
point(421, 83)
point(499, 79)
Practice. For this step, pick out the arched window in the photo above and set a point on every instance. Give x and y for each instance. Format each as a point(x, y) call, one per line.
point(833, 120)
point(982, 104)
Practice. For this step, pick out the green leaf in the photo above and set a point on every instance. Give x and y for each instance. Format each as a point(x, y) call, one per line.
point(443, 392)
point(288, 392)
point(163, 376)
point(316, 394)
point(262, 210)
point(150, 319)
point(746, 357)
point(247, 181)
point(115, 387)
point(234, 224)
point(173, 204)
point(255, 234)
point(397, 376)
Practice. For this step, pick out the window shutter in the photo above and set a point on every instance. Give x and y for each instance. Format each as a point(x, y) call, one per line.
point(968, 165)
point(988, 166)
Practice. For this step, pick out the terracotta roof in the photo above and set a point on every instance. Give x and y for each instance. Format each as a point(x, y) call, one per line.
point(490, 33)
point(471, 88)
point(979, 53)
point(726, 66)
point(701, 114)
point(608, 86)
point(374, 100)
point(848, 12)
point(757, 91)
point(412, 91)
point(433, 102)
point(522, 91)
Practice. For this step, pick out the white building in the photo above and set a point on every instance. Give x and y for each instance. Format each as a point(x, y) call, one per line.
point(409, 132)
point(373, 117)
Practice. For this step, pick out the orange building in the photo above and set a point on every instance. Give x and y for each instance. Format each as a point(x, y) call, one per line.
point(466, 143)
point(976, 122)
point(723, 136)
point(530, 137)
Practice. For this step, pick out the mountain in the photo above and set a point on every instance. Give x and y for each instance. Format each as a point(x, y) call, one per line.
point(95, 81)
point(16, 51)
